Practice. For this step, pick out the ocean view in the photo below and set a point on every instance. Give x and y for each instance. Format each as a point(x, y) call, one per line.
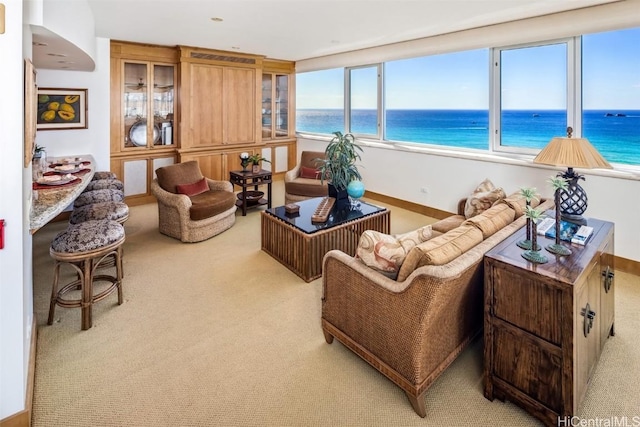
point(615, 133)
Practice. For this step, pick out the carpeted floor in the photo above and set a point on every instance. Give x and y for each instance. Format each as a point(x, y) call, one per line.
point(218, 333)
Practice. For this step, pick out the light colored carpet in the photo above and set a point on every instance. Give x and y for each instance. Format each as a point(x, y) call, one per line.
point(218, 333)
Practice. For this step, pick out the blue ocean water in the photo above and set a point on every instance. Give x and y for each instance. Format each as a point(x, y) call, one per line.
point(615, 134)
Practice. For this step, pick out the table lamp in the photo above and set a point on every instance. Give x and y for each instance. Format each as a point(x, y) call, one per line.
point(572, 152)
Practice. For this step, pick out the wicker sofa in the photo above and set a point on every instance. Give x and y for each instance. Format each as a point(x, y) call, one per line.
point(411, 329)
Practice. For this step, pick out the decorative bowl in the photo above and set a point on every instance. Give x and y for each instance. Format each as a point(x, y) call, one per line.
point(252, 196)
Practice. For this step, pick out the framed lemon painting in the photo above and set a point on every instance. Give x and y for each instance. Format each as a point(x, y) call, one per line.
point(62, 109)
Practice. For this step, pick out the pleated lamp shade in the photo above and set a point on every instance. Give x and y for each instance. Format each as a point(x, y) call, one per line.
point(571, 153)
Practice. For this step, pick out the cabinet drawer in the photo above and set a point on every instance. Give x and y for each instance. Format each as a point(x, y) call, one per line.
point(530, 365)
point(525, 302)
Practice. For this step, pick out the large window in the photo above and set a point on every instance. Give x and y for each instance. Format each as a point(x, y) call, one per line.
point(532, 95)
point(320, 101)
point(363, 98)
point(441, 99)
point(611, 94)
point(511, 99)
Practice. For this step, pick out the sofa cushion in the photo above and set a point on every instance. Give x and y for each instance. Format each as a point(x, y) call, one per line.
point(441, 249)
point(385, 253)
point(309, 173)
point(493, 219)
point(517, 202)
point(448, 223)
point(482, 198)
point(180, 173)
point(307, 187)
point(210, 203)
point(193, 189)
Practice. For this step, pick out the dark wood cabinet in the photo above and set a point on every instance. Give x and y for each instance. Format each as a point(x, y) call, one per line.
point(545, 324)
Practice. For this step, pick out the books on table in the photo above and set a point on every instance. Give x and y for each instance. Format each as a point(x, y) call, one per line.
point(582, 235)
point(569, 231)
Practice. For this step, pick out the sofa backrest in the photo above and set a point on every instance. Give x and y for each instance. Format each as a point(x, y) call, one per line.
point(178, 174)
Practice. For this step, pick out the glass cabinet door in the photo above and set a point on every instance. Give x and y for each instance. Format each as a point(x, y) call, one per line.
point(163, 91)
point(275, 105)
point(135, 104)
point(144, 81)
point(281, 105)
point(267, 92)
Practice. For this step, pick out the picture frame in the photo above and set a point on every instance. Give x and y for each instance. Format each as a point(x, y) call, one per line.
point(61, 109)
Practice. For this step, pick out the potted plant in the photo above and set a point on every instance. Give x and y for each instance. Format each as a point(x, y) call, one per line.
point(255, 160)
point(338, 166)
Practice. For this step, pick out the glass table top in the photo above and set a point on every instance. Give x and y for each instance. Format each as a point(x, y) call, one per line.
point(302, 219)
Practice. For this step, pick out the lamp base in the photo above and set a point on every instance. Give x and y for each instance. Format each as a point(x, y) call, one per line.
point(576, 219)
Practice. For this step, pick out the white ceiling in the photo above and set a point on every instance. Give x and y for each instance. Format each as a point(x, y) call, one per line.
point(291, 29)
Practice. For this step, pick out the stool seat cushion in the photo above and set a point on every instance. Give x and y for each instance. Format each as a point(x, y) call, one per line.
point(115, 211)
point(88, 236)
point(105, 184)
point(103, 175)
point(98, 196)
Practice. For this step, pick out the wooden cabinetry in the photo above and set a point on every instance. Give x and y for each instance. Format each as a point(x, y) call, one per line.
point(277, 113)
point(173, 104)
point(143, 114)
point(545, 324)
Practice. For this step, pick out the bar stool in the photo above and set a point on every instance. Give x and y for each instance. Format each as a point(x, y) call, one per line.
point(98, 196)
point(114, 211)
point(103, 175)
point(84, 247)
point(104, 184)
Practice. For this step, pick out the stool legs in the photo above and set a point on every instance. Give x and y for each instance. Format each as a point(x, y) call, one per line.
point(85, 270)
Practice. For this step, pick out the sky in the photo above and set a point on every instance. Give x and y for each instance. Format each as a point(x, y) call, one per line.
point(532, 78)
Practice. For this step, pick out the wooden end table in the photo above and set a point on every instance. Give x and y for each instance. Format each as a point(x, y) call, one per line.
point(249, 178)
point(546, 324)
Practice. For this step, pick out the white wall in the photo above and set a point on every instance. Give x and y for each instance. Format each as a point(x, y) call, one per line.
point(402, 173)
point(16, 274)
point(95, 139)
point(15, 284)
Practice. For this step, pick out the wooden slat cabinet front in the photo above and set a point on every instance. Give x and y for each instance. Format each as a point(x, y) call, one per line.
point(545, 324)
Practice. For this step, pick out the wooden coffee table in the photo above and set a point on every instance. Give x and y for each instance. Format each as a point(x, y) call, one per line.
point(300, 244)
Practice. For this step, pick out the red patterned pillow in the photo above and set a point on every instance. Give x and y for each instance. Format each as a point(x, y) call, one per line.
point(311, 173)
point(193, 189)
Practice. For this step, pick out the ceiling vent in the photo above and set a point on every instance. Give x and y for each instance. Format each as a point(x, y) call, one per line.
point(223, 58)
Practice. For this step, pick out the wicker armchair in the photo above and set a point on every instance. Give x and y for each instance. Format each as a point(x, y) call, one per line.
point(300, 183)
point(187, 216)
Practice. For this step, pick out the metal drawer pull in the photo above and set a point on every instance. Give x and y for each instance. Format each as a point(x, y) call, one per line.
point(607, 274)
point(589, 315)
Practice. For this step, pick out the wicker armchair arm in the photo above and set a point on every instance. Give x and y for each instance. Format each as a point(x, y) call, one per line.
point(219, 185)
point(179, 201)
point(292, 174)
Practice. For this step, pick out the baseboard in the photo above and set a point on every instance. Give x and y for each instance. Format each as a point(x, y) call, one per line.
point(23, 418)
point(410, 206)
point(621, 264)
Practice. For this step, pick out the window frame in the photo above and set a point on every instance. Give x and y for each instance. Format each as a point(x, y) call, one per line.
point(379, 67)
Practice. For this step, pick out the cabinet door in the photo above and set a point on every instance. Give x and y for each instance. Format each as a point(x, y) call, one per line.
point(147, 124)
point(587, 318)
point(135, 107)
point(275, 105)
point(163, 94)
point(203, 118)
point(239, 100)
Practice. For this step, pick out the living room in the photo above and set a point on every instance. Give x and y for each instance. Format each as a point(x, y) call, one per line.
point(460, 172)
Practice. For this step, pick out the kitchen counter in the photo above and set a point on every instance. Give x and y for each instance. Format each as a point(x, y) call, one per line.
point(47, 203)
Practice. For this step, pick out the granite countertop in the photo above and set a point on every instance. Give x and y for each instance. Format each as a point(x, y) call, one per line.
point(47, 203)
